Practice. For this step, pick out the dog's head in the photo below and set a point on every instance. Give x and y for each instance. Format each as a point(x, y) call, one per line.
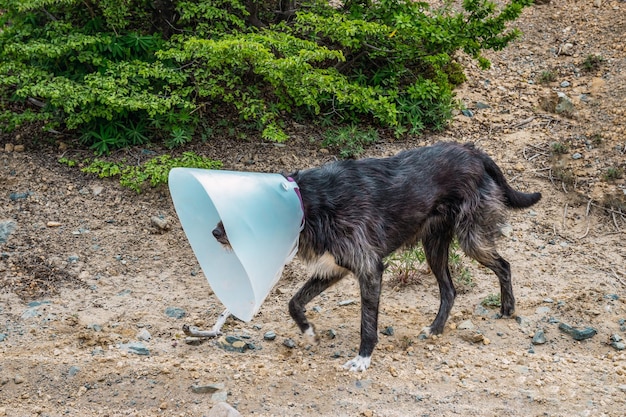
point(219, 233)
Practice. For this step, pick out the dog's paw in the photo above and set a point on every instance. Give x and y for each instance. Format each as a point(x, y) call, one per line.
point(311, 336)
point(425, 333)
point(358, 364)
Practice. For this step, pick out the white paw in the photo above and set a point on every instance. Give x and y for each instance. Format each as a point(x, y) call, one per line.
point(358, 364)
point(310, 336)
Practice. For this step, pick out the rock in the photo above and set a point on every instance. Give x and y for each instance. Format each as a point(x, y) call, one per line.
point(539, 338)
point(8, 147)
point(467, 113)
point(53, 224)
point(175, 312)
point(617, 342)
point(232, 344)
point(73, 370)
point(346, 302)
point(6, 228)
point(160, 222)
point(332, 334)
point(222, 409)
point(97, 189)
point(564, 105)
point(565, 84)
point(289, 343)
point(577, 334)
point(144, 335)
point(19, 196)
point(506, 230)
point(3, 337)
point(207, 389)
point(466, 325)
point(471, 336)
point(567, 49)
point(577, 155)
point(18, 379)
point(482, 106)
point(270, 335)
point(387, 331)
point(135, 347)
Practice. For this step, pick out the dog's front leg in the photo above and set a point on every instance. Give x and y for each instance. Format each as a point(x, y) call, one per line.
point(313, 287)
point(370, 298)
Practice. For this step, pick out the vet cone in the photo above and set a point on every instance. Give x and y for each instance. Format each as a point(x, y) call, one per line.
point(262, 216)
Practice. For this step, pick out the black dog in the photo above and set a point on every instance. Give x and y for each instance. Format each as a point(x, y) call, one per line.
point(358, 212)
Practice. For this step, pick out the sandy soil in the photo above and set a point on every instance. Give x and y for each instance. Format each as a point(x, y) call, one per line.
point(86, 278)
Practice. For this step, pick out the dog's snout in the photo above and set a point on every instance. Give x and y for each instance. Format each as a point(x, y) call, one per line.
point(217, 233)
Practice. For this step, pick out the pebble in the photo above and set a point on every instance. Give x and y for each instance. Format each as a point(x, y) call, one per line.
point(175, 312)
point(289, 343)
point(18, 379)
point(19, 196)
point(3, 337)
point(388, 331)
point(617, 342)
point(73, 370)
point(223, 409)
point(472, 336)
point(332, 334)
point(565, 84)
point(270, 335)
point(6, 228)
point(577, 155)
point(346, 302)
point(207, 389)
point(144, 334)
point(539, 338)
point(233, 344)
point(577, 334)
point(160, 222)
point(53, 224)
point(466, 325)
point(137, 348)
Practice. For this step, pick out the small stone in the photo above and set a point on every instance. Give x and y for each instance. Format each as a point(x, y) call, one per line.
point(577, 155)
point(175, 312)
point(3, 337)
point(135, 347)
point(73, 370)
point(18, 379)
point(471, 336)
point(207, 389)
point(53, 224)
point(346, 302)
point(466, 325)
point(232, 344)
point(481, 106)
point(144, 335)
point(222, 409)
point(332, 334)
point(393, 371)
point(506, 230)
point(289, 343)
point(617, 342)
point(577, 334)
point(19, 196)
point(8, 147)
point(97, 189)
point(467, 113)
point(388, 331)
point(6, 228)
point(539, 338)
point(160, 223)
point(565, 84)
point(270, 335)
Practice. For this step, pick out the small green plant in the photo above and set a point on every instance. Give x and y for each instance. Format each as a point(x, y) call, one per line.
point(153, 172)
point(405, 264)
point(491, 301)
point(613, 173)
point(593, 62)
point(558, 148)
point(349, 140)
point(69, 162)
point(564, 175)
point(547, 77)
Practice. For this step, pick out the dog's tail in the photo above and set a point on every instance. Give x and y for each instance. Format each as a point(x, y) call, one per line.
point(513, 198)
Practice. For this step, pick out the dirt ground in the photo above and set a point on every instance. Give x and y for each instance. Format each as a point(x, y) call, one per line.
point(90, 289)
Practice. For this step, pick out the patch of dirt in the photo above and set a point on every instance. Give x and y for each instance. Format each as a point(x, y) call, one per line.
point(86, 278)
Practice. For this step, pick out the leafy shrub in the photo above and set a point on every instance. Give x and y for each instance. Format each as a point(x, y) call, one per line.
point(132, 71)
point(153, 172)
point(349, 140)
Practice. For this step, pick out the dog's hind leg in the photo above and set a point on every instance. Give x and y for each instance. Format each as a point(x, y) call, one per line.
point(502, 269)
point(436, 247)
point(370, 286)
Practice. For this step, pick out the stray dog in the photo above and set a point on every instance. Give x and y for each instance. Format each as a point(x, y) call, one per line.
point(357, 212)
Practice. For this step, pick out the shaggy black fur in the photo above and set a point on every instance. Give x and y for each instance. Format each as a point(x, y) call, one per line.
point(357, 212)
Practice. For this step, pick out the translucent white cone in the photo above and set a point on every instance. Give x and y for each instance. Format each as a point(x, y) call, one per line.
point(262, 216)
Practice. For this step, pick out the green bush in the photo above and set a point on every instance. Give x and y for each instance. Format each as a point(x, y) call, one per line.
point(134, 71)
